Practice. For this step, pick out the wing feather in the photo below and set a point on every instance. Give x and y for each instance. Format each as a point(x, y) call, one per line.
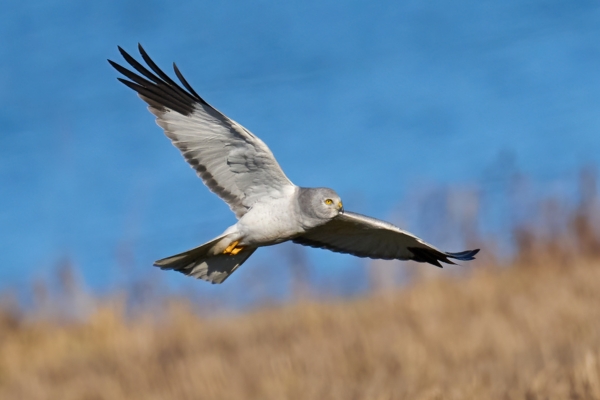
point(364, 236)
point(231, 161)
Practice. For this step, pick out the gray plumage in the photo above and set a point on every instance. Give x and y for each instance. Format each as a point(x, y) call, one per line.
point(241, 170)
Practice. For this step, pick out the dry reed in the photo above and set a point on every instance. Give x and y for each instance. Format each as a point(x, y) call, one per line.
point(516, 333)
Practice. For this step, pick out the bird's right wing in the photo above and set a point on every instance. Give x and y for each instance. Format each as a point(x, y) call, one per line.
point(364, 236)
point(231, 161)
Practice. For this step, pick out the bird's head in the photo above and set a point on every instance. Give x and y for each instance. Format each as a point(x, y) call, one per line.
point(321, 203)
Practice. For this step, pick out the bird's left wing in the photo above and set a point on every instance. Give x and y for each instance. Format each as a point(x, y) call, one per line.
point(364, 236)
point(230, 160)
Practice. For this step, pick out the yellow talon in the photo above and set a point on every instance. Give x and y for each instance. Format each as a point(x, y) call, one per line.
point(230, 248)
point(236, 250)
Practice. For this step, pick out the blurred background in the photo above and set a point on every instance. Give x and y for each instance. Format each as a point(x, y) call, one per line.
point(471, 124)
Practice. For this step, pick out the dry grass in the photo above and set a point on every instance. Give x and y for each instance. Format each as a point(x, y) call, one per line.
point(512, 333)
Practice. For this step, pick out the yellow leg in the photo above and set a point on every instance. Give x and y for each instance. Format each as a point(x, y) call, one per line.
point(236, 250)
point(230, 248)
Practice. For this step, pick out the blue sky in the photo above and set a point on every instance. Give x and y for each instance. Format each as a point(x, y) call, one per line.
point(373, 99)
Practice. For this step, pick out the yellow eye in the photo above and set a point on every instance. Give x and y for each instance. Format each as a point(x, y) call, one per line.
point(329, 202)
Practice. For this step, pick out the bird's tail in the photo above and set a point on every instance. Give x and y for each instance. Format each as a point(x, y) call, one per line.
point(203, 262)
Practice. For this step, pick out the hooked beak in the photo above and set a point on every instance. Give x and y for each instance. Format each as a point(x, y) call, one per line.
point(341, 207)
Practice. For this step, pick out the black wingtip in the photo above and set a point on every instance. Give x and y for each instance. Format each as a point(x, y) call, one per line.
point(187, 85)
point(124, 54)
point(467, 255)
point(428, 255)
point(113, 64)
point(142, 51)
point(434, 257)
point(154, 85)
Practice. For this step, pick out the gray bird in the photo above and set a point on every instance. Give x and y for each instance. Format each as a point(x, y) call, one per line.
point(241, 170)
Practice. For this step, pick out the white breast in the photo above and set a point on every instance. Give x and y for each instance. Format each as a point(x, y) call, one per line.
point(269, 223)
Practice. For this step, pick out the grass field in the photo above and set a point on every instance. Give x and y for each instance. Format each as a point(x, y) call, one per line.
point(501, 333)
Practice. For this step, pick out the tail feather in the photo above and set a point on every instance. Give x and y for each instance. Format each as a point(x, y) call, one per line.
point(202, 263)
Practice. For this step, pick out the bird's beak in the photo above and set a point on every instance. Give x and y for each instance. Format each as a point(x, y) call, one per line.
point(341, 207)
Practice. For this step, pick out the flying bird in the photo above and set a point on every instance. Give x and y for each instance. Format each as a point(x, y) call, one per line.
point(239, 167)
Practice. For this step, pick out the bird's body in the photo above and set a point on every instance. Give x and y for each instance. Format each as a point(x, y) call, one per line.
point(240, 168)
point(270, 223)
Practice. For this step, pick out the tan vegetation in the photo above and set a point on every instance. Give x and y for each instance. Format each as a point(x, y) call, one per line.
point(512, 333)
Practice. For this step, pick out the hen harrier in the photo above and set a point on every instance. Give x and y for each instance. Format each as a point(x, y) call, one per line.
point(241, 170)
